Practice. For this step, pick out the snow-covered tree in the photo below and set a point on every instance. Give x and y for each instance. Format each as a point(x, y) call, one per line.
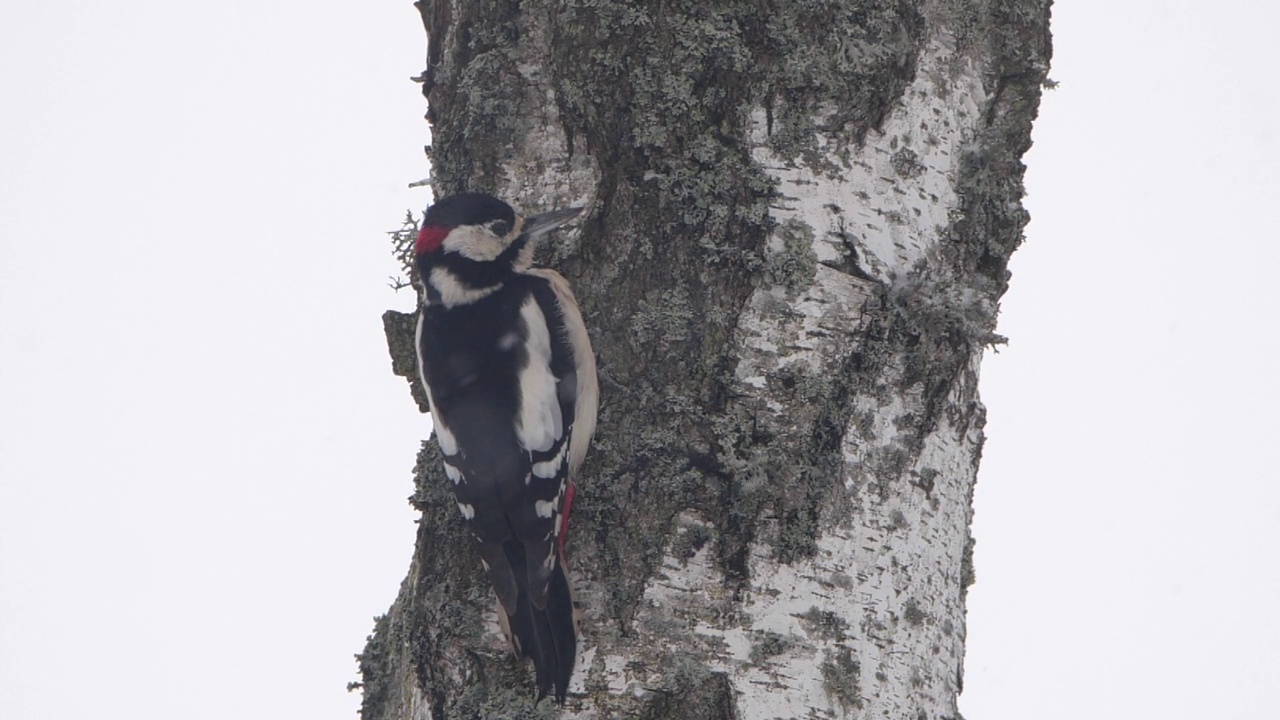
point(799, 218)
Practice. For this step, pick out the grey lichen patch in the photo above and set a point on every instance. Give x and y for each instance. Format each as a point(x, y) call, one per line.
point(897, 520)
point(474, 87)
point(963, 22)
point(968, 575)
point(765, 645)
point(906, 163)
point(660, 323)
point(497, 700)
point(377, 668)
point(840, 678)
point(925, 479)
point(824, 624)
point(659, 624)
point(836, 70)
point(691, 691)
point(402, 241)
point(991, 218)
point(685, 70)
point(794, 264)
point(912, 613)
point(399, 329)
point(938, 299)
point(689, 541)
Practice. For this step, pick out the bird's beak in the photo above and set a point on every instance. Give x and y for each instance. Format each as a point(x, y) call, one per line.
point(536, 225)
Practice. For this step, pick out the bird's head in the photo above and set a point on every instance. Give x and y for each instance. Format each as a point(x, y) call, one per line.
point(470, 243)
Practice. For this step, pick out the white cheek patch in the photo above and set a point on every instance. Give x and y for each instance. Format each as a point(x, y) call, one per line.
point(474, 242)
point(539, 424)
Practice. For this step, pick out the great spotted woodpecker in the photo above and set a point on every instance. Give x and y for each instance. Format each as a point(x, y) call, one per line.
point(511, 380)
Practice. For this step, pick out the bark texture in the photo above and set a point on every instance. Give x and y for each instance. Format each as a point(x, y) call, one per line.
point(799, 219)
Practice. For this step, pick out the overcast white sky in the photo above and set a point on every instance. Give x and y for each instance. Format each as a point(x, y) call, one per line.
point(204, 457)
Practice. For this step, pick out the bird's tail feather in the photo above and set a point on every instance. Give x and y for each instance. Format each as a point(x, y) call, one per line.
point(547, 636)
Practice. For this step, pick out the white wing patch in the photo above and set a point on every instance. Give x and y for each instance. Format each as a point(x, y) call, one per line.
point(587, 390)
point(545, 508)
point(448, 444)
point(539, 424)
point(548, 469)
point(454, 473)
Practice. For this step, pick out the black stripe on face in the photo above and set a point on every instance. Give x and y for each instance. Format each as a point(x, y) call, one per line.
point(473, 274)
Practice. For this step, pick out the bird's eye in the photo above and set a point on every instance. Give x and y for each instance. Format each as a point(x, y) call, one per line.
point(500, 228)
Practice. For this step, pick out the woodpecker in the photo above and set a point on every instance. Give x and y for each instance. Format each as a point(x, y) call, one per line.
point(511, 380)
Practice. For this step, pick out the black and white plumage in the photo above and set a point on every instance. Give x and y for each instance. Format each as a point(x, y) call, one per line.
point(509, 372)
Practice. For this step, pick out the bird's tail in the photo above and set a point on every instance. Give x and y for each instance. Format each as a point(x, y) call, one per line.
point(546, 635)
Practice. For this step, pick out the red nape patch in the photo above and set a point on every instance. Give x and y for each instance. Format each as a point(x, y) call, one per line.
point(564, 515)
point(430, 238)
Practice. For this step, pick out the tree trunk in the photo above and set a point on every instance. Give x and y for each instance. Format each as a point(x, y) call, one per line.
point(799, 217)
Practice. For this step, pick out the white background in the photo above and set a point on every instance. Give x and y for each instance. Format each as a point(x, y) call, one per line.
point(204, 457)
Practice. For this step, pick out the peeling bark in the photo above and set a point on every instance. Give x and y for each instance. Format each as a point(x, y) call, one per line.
point(799, 222)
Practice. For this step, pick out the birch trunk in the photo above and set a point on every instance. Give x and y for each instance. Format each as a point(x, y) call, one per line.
point(799, 218)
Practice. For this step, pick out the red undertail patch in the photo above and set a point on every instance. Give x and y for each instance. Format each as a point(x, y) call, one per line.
point(564, 515)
